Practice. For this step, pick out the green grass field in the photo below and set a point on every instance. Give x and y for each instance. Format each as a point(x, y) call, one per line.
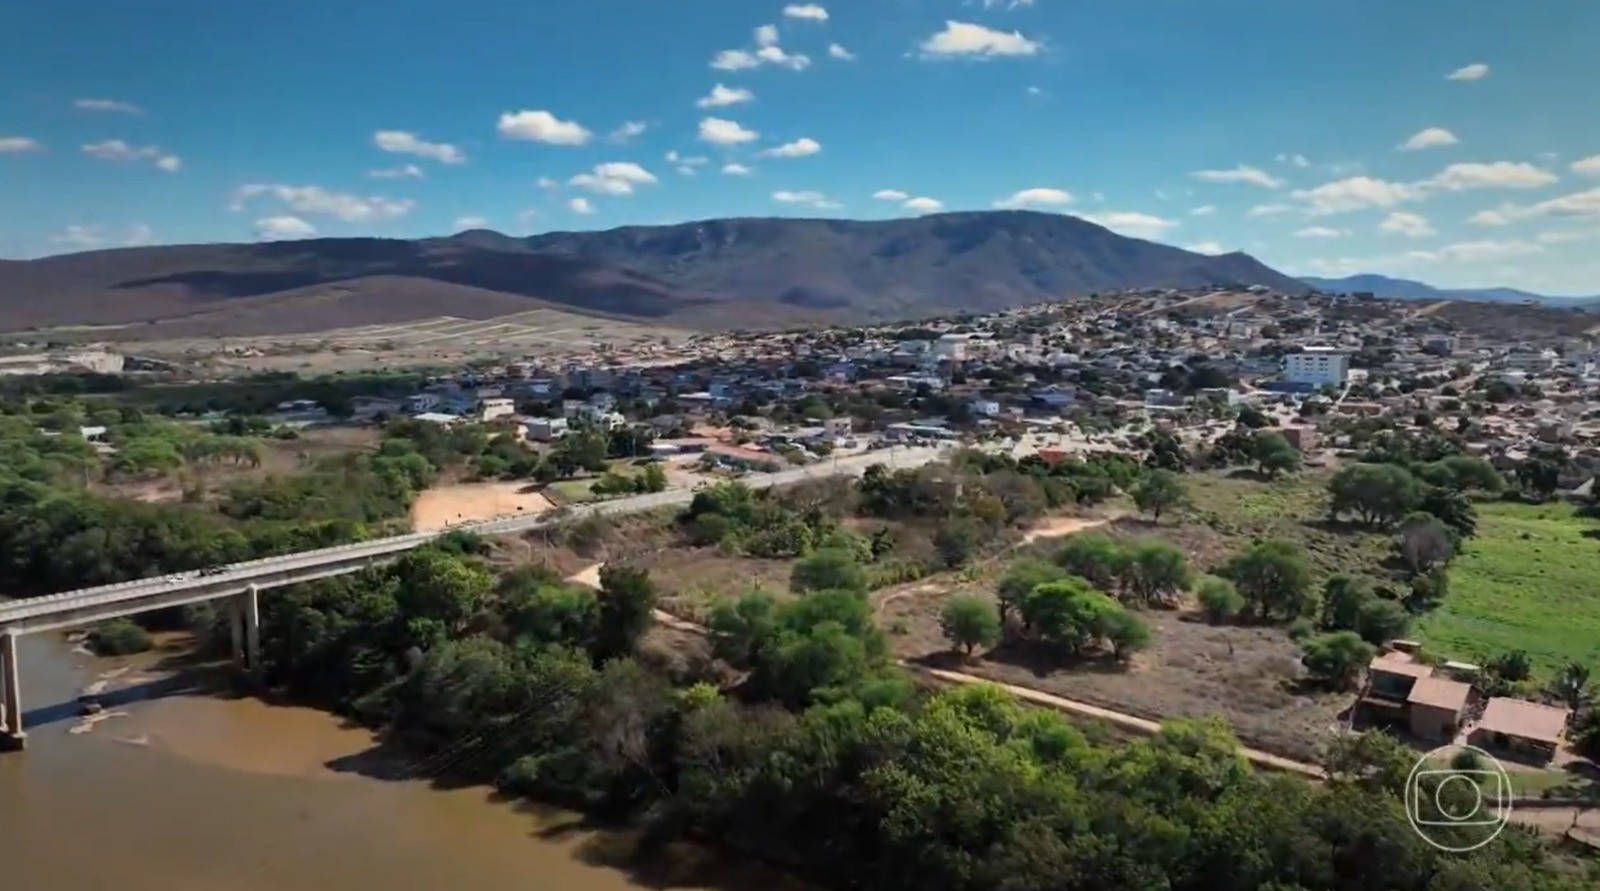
point(572, 491)
point(1529, 581)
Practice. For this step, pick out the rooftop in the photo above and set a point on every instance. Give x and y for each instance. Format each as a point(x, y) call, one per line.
point(1524, 719)
point(1401, 664)
point(1440, 693)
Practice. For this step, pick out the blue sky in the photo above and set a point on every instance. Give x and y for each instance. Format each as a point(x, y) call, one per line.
point(1278, 128)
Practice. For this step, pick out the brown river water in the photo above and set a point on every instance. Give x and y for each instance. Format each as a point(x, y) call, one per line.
point(173, 791)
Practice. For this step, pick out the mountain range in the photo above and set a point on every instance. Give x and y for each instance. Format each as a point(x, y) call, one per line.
point(1405, 289)
point(712, 274)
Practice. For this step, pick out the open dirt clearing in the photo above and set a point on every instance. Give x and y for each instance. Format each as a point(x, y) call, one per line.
point(445, 506)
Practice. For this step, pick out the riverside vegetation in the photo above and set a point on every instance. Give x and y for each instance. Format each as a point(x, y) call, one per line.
point(801, 743)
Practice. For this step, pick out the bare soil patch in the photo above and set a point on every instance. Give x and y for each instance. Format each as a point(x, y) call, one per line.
point(444, 506)
point(1191, 670)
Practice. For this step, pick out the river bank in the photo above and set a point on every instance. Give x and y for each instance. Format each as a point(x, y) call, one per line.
point(184, 786)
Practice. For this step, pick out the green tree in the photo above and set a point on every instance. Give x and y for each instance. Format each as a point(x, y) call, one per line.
point(1380, 621)
point(1538, 477)
point(1274, 455)
point(1218, 599)
point(1342, 600)
point(1069, 616)
point(1156, 573)
point(1022, 576)
point(1159, 491)
point(969, 622)
point(1571, 686)
point(830, 569)
point(1093, 556)
point(1274, 579)
point(626, 610)
point(1379, 494)
point(1338, 658)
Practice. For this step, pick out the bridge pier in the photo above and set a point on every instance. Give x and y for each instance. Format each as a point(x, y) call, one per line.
point(244, 624)
point(12, 739)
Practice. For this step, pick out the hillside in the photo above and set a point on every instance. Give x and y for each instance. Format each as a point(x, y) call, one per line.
point(1405, 289)
point(714, 273)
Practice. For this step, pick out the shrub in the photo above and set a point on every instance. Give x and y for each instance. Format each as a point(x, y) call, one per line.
point(969, 622)
point(119, 637)
point(1219, 600)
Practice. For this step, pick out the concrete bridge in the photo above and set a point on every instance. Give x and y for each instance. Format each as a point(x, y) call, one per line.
point(239, 585)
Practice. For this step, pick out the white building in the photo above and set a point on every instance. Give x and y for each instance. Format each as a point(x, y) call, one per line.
point(498, 407)
point(1317, 367)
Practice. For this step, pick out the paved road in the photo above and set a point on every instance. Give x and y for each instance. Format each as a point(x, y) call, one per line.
point(244, 573)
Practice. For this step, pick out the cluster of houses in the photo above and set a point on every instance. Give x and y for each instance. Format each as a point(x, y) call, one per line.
point(1440, 704)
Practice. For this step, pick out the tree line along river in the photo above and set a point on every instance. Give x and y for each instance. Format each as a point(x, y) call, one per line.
point(189, 790)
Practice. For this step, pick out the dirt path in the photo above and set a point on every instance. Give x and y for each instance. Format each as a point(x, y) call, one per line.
point(445, 506)
point(589, 577)
point(1120, 720)
point(1060, 527)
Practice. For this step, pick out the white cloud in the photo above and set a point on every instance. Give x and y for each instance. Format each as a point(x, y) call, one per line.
point(808, 199)
point(614, 178)
point(462, 224)
point(1319, 232)
point(735, 60)
point(735, 170)
point(1267, 210)
point(1589, 166)
point(117, 150)
point(810, 12)
point(924, 205)
point(838, 52)
point(890, 195)
point(1034, 91)
point(722, 132)
point(1433, 137)
point(580, 205)
point(721, 97)
point(627, 131)
point(1408, 224)
point(1137, 225)
point(405, 171)
point(15, 145)
point(1008, 4)
point(775, 55)
point(963, 39)
point(1475, 71)
point(317, 201)
point(1565, 236)
point(1294, 160)
point(1205, 210)
point(527, 216)
point(404, 143)
point(284, 228)
point(1475, 252)
point(800, 148)
point(545, 182)
point(1036, 197)
point(1496, 175)
point(686, 170)
point(1355, 193)
point(687, 160)
point(1240, 174)
point(768, 52)
point(79, 236)
point(541, 126)
point(139, 233)
point(1579, 205)
point(111, 105)
point(1210, 248)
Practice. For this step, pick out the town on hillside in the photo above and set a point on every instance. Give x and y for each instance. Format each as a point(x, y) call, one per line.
point(1308, 516)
